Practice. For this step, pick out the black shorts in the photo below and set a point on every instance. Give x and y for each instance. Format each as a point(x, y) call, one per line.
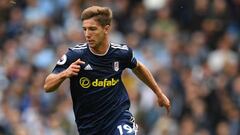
point(125, 125)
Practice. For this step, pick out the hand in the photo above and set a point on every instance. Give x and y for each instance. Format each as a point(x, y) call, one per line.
point(164, 101)
point(74, 68)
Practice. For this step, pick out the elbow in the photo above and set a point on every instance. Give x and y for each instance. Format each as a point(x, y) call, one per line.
point(47, 88)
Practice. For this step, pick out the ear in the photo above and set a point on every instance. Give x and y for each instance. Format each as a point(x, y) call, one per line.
point(107, 29)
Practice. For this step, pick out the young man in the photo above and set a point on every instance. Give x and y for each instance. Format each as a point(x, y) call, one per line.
point(100, 100)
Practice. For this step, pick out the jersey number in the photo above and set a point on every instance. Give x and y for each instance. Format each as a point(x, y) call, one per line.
point(124, 127)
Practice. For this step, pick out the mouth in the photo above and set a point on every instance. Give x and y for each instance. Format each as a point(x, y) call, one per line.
point(90, 41)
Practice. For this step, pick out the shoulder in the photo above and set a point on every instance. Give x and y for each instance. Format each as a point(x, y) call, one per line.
point(123, 50)
point(78, 47)
point(76, 51)
point(119, 46)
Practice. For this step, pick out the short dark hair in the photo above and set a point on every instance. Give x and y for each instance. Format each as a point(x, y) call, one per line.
point(103, 15)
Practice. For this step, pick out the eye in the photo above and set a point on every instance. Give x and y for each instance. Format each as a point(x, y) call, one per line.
point(92, 28)
point(84, 29)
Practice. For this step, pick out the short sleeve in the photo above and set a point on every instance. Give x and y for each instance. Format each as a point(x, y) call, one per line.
point(132, 61)
point(65, 61)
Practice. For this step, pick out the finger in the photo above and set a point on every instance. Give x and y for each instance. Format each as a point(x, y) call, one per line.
point(168, 110)
point(75, 66)
point(169, 107)
point(78, 62)
point(75, 74)
point(161, 103)
point(75, 70)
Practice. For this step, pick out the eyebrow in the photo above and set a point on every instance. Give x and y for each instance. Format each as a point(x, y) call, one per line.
point(89, 26)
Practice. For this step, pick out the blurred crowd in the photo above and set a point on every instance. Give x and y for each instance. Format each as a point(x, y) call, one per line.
point(192, 47)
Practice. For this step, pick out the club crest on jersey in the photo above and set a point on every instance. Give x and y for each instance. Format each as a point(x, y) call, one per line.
point(116, 66)
point(62, 60)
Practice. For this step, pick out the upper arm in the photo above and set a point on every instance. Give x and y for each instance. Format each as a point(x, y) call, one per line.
point(140, 67)
point(65, 61)
point(131, 60)
point(137, 65)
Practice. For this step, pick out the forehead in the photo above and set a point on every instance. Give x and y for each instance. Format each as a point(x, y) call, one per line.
point(90, 23)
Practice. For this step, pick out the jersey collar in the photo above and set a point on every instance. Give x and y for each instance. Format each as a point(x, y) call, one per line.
point(97, 54)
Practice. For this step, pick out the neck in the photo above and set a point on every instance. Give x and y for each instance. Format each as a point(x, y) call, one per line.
point(100, 49)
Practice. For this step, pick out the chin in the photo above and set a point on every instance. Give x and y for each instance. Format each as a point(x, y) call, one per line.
point(91, 44)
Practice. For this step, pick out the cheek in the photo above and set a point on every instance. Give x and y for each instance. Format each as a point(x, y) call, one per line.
point(100, 36)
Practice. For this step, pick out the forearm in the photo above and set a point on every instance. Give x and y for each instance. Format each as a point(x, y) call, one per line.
point(146, 76)
point(53, 81)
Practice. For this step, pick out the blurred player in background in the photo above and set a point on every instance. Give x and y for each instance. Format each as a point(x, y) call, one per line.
point(100, 100)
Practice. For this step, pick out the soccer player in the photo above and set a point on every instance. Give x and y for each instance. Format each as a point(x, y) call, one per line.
point(100, 100)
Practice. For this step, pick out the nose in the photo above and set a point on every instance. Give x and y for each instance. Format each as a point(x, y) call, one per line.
point(87, 33)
